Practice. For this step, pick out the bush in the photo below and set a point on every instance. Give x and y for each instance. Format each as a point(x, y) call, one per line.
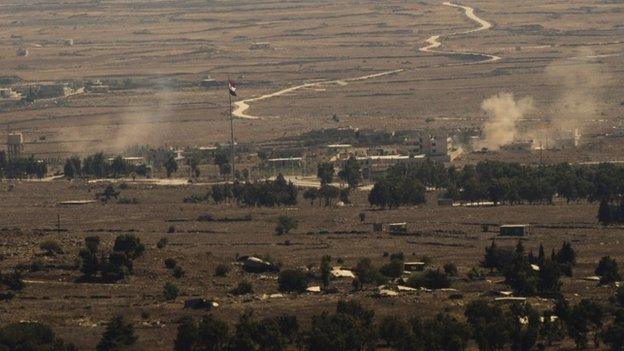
point(285, 224)
point(51, 247)
point(13, 281)
point(430, 280)
point(178, 272)
point(222, 270)
point(162, 243)
point(476, 274)
point(394, 269)
point(367, 273)
point(450, 269)
point(170, 291)
point(170, 263)
point(130, 245)
point(608, 270)
point(30, 336)
point(292, 280)
point(243, 288)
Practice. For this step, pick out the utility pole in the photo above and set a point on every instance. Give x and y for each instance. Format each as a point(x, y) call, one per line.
point(58, 224)
point(232, 151)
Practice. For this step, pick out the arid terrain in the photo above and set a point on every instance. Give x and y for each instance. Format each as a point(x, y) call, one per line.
point(166, 49)
point(299, 67)
point(78, 311)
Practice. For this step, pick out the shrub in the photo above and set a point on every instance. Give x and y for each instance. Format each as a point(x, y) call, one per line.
point(170, 263)
point(130, 245)
point(13, 281)
point(394, 269)
point(292, 280)
point(450, 269)
point(608, 270)
point(162, 243)
point(430, 280)
point(30, 336)
point(222, 270)
point(476, 274)
point(178, 272)
point(367, 273)
point(171, 229)
point(285, 224)
point(170, 291)
point(51, 247)
point(243, 288)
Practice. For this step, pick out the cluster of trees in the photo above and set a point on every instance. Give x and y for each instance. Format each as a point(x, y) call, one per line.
point(611, 213)
point(31, 336)
point(511, 183)
point(266, 193)
point(19, 168)
point(114, 265)
point(350, 173)
point(327, 195)
point(98, 166)
point(353, 327)
point(529, 275)
point(394, 192)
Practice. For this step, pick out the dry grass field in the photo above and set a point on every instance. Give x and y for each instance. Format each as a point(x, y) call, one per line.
point(174, 45)
point(168, 47)
point(78, 311)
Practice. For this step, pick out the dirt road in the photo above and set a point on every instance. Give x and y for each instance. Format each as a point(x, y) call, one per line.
point(241, 107)
point(433, 41)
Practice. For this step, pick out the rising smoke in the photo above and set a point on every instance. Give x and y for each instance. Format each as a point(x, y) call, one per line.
point(579, 82)
point(503, 113)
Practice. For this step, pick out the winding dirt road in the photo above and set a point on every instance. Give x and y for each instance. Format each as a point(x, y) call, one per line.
point(433, 42)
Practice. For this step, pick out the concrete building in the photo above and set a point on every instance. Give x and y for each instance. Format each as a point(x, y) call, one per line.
point(436, 145)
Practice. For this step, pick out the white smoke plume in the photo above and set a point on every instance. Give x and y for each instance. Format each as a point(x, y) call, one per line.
point(504, 112)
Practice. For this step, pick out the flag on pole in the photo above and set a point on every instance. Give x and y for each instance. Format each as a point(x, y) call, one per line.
point(232, 87)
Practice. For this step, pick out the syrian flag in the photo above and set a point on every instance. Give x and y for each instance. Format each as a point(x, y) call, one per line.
point(232, 87)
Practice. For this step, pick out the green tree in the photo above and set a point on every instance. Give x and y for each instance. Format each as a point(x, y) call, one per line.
point(351, 173)
point(325, 269)
point(88, 255)
point(171, 166)
point(119, 335)
point(26, 336)
point(311, 194)
point(130, 245)
point(325, 172)
point(285, 224)
point(608, 270)
point(170, 291)
point(292, 280)
point(108, 193)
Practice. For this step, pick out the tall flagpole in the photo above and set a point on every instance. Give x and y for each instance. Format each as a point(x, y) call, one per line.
point(232, 152)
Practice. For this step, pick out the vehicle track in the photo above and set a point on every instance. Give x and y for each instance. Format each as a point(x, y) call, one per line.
point(433, 42)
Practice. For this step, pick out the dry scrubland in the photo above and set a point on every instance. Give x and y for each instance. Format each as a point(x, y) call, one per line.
point(187, 41)
point(78, 311)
